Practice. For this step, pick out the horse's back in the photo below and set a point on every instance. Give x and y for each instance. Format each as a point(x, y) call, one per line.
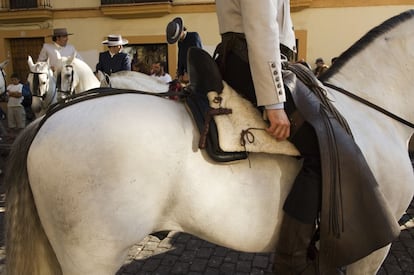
point(93, 162)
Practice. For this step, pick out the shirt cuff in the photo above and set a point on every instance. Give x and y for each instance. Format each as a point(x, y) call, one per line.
point(275, 106)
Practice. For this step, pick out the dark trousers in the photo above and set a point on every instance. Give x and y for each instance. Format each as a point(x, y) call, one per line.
point(304, 199)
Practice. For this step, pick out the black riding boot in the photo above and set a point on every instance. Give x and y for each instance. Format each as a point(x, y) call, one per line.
point(291, 257)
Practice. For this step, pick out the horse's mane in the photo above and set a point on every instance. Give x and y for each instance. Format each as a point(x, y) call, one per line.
point(364, 42)
point(81, 66)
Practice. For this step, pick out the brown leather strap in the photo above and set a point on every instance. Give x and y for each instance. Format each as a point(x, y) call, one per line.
point(209, 116)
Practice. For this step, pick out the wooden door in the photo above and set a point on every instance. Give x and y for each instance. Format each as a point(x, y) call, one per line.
point(21, 48)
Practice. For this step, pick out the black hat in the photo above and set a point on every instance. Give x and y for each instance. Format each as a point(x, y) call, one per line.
point(174, 29)
point(60, 32)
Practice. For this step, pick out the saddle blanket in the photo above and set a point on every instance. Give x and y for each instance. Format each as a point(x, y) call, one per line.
point(244, 129)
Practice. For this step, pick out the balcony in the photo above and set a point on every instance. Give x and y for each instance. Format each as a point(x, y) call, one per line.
point(135, 8)
point(117, 2)
point(21, 11)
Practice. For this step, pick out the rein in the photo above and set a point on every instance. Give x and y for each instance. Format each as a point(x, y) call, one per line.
point(59, 82)
point(36, 92)
point(36, 88)
point(370, 104)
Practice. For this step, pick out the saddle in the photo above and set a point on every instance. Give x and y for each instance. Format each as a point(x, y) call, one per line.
point(352, 203)
point(230, 126)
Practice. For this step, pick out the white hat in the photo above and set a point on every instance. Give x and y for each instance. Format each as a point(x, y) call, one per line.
point(115, 40)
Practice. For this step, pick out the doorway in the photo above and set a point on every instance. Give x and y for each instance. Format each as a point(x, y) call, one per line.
point(20, 49)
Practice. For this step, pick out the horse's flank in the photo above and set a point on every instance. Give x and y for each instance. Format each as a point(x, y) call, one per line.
point(37, 247)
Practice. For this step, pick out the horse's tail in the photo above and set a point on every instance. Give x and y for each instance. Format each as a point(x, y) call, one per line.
point(28, 250)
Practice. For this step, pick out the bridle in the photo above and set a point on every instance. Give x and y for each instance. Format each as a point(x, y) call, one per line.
point(370, 104)
point(36, 87)
point(59, 82)
point(3, 74)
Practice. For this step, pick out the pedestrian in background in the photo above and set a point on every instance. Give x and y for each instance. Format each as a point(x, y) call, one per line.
point(158, 72)
point(321, 67)
point(177, 32)
point(114, 60)
point(16, 116)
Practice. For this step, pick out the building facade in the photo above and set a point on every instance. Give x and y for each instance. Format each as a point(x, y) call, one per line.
point(324, 28)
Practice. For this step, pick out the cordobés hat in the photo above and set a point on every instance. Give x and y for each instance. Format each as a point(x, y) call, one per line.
point(174, 29)
point(115, 40)
point(60, 32)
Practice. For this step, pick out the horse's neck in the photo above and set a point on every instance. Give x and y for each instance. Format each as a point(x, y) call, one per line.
point(86, 78)
point(377, 68)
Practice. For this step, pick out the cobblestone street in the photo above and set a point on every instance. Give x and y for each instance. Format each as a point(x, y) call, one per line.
point(181, 253)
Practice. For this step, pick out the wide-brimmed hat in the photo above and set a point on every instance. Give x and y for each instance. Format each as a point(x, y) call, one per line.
point(60, 32)
point(174, 29)
point(115, 40)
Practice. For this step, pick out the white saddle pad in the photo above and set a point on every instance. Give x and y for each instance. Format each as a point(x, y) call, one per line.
point(245, 117)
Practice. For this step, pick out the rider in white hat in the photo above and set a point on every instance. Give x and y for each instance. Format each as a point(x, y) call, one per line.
point(114, 60)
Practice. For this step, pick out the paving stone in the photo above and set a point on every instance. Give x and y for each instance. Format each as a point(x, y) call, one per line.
point(227, 268)
point(260, 261)
point(215, 261)
point(245, 266)
point(180, 268)
point(199, 265)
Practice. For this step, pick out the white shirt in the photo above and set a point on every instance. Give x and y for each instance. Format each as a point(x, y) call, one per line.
point(15, 101)
point(166, 78)
point(266, 24)
point(54, 53)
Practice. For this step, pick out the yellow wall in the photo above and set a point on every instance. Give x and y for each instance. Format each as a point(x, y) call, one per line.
point(330, 31)
point(329, 26)
point(333, 30)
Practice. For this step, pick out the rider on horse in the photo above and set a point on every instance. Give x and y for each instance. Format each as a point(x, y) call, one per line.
point(257, 40)
point(258, 76)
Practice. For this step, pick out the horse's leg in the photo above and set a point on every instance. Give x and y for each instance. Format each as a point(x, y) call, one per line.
point(370, 264)
point(92, 235)
point(94, 258)
point(93, 240)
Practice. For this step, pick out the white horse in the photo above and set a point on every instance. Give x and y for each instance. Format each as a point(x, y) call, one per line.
point(42, 85)
point(75, 76)
point(133, 81)
point(3, 76)
point(88, 185)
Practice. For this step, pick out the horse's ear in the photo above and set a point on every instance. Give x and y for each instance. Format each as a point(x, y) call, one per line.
point(71, 58)
point(203, 72)
point(30, 63)
point(4, 63)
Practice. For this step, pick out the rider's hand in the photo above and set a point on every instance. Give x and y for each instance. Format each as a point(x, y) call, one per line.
point(279, 124)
